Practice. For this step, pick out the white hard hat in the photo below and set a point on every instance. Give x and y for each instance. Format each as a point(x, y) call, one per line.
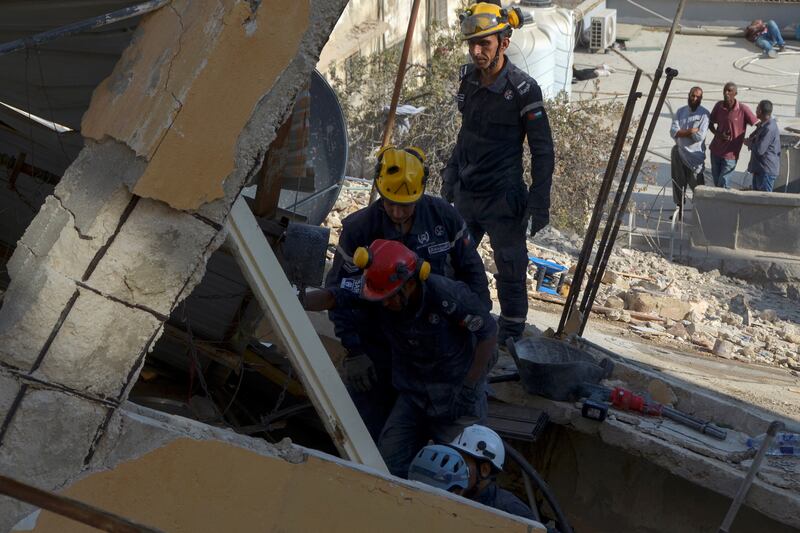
point(481, 443)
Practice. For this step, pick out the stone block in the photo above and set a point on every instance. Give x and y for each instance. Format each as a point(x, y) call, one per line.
point(97, 180)
point(723, 348)
point(678, 330)
point(49, 437)
point(97, 345)
point(31, 308)
point(664, 306)
point(641, 302)
point(9, 387)
point(615, 302)
point(53, 238)
point(154, 255)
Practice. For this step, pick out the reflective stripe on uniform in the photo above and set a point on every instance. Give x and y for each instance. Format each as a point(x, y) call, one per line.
point(348, 258)
point(459, 234)
point(531, 107)
point(515, 320)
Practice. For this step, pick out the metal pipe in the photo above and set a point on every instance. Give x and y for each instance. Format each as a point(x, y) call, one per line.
point(602, 198)
point(541, 484)
point(615, 224)
point(311, 197)
point(605, 243)
point(696, 424)
point(531, 498)
point(82, 26)
point(604, 240)
point(773, 429)
point(398, 84)
point(72, 509)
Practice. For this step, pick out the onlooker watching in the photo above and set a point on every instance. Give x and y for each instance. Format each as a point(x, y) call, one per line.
point(689, 129)
point(729, 120)
point(765, 149)
point(766, 35)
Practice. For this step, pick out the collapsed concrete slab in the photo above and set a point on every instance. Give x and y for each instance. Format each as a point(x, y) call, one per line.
point(182, 123)
point(183, 476)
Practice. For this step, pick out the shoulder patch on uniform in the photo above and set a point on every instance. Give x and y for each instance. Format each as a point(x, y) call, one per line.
point(523, 87)
point(351, 284)
point(465, 70)
point(472, 322)
point(449, 307)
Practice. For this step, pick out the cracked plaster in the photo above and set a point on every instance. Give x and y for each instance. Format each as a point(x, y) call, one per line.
point(207, 67)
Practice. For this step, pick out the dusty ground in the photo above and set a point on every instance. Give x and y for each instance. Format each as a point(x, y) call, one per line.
point(760, 362)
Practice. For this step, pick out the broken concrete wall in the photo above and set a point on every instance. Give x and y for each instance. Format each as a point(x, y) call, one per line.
point(176, 131)
point(747, 221)
point(367, 27)
point(182, 476)
point(604, 489)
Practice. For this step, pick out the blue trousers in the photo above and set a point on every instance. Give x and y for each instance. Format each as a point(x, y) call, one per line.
point(771, 38)
point(722, 171)
point(763, 182)
point(409, 428)
point(502, 217)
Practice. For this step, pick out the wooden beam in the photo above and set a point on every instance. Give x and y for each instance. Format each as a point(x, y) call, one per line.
point(306, 352)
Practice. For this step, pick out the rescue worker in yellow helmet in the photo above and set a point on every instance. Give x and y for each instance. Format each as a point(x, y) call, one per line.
point(428, 226)
point(500, 105)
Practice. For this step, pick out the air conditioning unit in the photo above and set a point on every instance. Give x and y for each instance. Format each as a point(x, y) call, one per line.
point(603, 30)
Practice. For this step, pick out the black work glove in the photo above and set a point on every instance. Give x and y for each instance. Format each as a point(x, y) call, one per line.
point(539, 218)
point(464, 402)
point(449, 180)
point(359, 372)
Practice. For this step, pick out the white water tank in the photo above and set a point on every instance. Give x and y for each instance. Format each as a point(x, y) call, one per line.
point(544, 49)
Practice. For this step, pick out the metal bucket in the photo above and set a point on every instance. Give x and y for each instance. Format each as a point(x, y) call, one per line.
point(556, 370)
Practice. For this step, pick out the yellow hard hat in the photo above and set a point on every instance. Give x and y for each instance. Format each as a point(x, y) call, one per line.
point(401, 174)
point(483, 18)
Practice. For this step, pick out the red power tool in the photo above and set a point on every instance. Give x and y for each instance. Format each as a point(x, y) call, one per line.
point(626, 400)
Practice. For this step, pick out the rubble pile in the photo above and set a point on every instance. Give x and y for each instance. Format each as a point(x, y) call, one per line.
point(729, 317)
point(659, 300)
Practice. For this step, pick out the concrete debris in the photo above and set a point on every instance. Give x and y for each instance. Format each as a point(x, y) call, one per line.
point(615, 302)
point(675, 303)
point(723, 348)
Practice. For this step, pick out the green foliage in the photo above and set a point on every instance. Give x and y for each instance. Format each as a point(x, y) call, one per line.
point(583, 131)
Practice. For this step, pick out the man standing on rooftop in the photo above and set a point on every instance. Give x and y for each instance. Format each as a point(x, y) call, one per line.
point(729, 120)
point(765, 149)
point(688, 158)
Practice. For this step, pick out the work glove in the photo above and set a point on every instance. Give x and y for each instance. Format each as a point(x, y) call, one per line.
point(359, 372)
point(539, 218)
point(449, 180)
point(464, 402)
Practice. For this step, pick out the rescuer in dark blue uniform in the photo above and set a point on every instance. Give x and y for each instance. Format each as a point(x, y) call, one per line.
point(428, 226)
point(500, 106)
point(441, 339)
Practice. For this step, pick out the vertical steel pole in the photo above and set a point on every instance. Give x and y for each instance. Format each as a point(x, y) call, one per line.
point(600, 203)
point(601, 261)
point(606, 244)
point(398, 84)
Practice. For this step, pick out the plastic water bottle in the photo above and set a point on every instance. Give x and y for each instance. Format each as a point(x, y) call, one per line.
point(784, 444)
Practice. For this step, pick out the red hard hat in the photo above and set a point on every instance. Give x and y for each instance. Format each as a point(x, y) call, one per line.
point(387, 264)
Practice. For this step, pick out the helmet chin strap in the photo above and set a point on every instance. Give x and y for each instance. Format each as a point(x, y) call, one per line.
point(496, 58)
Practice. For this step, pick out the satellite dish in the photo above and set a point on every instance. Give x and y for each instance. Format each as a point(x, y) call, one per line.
point(327, 150)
